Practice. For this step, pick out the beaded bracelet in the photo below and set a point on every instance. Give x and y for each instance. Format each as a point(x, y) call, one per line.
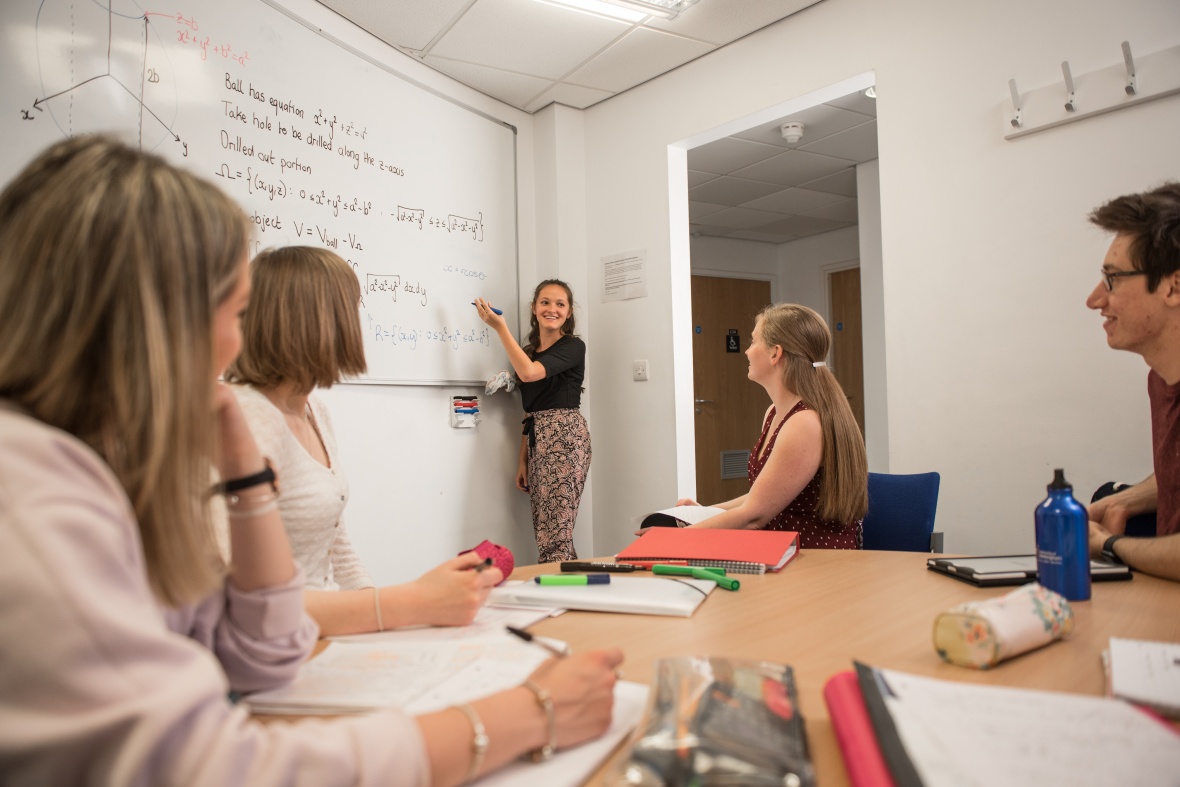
point(479, 741)
point(545, 700)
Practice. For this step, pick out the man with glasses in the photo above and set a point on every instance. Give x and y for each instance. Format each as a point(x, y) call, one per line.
point(1139, 297)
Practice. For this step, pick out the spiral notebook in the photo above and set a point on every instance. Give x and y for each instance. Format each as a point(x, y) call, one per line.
point(740, 551)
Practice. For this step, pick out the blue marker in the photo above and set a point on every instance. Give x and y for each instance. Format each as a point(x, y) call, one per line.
point(497, 311)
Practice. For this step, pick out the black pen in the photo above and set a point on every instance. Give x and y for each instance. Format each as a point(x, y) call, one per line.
point(578, 565)
point(554, 646)
point(487, 563)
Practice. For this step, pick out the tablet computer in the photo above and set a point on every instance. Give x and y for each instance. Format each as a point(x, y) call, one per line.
point(993, 570)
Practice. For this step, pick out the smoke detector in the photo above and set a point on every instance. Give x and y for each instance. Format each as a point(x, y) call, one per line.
point(792, 132)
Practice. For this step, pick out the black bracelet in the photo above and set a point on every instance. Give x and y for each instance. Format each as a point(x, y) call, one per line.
point(264, 476)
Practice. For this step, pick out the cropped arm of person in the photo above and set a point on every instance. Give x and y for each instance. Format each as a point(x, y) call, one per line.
point(522, 469)
point(793, 462)
point(1113, 511)
point(258, 542)
point(528, 370)
point(1158, 556)
point(582, 691)
point(447, 595)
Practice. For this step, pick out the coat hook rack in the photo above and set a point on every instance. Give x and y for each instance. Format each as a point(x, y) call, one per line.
point(1111, 88)
point(1016, 120)
point(1132, 86)
point(1069, 105)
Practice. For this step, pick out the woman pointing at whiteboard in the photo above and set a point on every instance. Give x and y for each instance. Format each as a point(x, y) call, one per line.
point(555, 445)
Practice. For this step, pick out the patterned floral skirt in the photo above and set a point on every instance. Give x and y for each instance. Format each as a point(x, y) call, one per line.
point(559, 459)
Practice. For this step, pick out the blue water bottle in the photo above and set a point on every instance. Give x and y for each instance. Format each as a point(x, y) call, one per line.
point(1063, 544)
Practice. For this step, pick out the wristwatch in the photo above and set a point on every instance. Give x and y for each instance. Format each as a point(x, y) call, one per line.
point(1108, 550)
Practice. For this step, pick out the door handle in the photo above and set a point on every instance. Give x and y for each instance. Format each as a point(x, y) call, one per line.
point(700, 402)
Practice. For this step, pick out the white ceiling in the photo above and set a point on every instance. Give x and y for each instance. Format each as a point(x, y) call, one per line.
point(531, 53)
point(757, 186)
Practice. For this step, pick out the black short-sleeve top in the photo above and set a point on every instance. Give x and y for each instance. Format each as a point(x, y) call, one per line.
point(565, 368)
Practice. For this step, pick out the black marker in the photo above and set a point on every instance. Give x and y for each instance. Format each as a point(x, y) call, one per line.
point(576, 565)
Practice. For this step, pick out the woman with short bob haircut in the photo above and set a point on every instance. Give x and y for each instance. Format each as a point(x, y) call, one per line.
point(122, 631)
point(302, 332)
point(808, 471)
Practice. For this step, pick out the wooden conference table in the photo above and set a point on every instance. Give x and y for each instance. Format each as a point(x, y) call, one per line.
point(827, 608)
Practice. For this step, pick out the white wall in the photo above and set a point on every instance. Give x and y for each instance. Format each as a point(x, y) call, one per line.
point(996, 373)
point(737, 258)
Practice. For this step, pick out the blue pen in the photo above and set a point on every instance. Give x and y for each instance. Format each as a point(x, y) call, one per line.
point(466, 409)
point(493, 308)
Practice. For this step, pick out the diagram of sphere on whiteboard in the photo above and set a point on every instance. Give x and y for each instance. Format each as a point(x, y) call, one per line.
point(121, 82)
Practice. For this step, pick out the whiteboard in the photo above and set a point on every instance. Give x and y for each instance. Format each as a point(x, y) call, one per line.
point(320, 144)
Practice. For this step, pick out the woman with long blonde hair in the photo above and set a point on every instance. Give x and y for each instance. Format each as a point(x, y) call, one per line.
point(122, 631)
point(808, 471)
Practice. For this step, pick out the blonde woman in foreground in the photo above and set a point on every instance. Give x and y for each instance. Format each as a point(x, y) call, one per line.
point(122, 631)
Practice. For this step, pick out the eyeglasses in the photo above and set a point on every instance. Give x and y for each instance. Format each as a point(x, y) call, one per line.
point(1108, 277)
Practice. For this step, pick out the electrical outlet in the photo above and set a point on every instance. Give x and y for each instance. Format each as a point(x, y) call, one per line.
point(639, 371)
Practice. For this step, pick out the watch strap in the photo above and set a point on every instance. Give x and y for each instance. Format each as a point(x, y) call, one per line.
point(1108, 549)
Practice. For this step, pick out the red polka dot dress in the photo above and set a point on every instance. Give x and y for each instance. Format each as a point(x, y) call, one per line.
point(799, 515)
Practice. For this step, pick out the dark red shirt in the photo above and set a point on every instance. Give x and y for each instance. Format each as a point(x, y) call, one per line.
point(1165, 450)
point(799, 515)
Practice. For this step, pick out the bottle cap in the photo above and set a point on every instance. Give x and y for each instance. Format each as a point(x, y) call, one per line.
point(1059, 481)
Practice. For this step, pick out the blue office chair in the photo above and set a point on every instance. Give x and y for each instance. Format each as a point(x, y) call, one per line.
point(901, 513)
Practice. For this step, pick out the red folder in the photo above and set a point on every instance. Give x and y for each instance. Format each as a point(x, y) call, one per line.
point(854, 732)
point(765, 550)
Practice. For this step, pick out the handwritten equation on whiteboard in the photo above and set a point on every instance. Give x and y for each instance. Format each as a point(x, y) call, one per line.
point(319, 147)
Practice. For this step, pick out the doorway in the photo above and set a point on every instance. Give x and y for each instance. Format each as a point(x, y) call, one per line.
point(727, 406)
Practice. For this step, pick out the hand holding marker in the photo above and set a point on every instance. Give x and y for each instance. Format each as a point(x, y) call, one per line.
point(493, 308)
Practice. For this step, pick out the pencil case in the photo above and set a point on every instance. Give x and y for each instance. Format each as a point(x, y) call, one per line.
point(981, 634)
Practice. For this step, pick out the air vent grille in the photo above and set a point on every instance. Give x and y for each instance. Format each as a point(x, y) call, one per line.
point(733, 464)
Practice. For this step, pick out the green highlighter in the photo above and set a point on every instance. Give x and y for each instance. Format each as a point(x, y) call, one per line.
point(715, 574)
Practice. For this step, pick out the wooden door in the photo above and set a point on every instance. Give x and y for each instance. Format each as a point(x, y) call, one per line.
point(728, 406)
point(847, 353)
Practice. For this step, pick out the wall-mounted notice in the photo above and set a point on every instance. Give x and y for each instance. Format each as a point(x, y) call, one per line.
point(624, 276)
point(319, 144)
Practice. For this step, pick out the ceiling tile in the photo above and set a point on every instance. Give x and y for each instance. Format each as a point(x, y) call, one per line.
point(641, 55)
point(765, 237)
point(409, 24)
point(729, 154)
point(570, 95)
point(722, 21)
point(857, 102)
point(513, 88)
point(843, 183)
point(793, 168)
point(819, 122)
point(730, 191)
point(533, 38)
point(794, 200)
point(709, 229)
point(845, 210)
point(743, 218)
point(803, 225)
point(856, 144)
point(698, 210)
point(697, 178)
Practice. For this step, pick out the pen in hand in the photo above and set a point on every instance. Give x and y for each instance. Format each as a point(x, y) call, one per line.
point(554, 646)
point(487, 563)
